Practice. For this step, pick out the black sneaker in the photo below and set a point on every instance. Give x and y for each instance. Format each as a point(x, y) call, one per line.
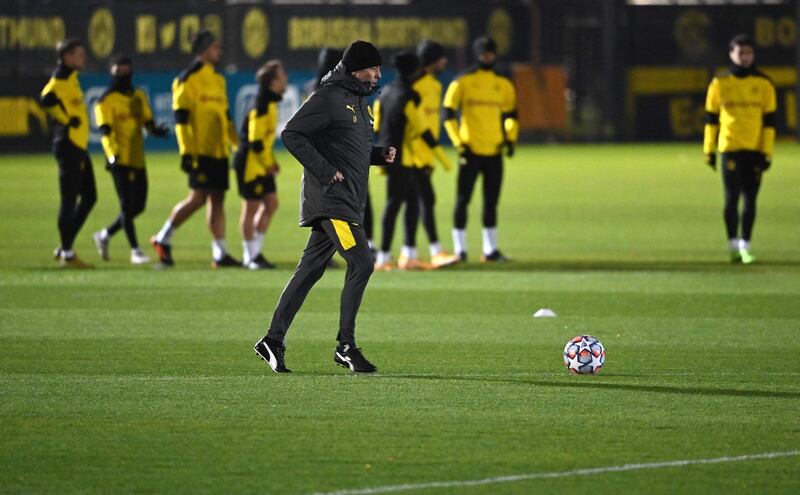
point(272, 353)
point(164, 252)
point(226, 261)
point(494, 257)
point(259, 263)
point(350, 357)
point(463, 256)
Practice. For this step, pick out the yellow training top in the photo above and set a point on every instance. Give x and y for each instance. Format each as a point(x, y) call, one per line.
point(120, 117)
point(202, 124)
point(488, 105)
point(430, 91)
point(62, 98)
point(740, 113)
point(259, 130)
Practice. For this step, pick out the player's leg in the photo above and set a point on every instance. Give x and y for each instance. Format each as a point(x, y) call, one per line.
point(751, 183)
point(215, 218)
point(468, 171)
point(138, 195)
point(492, 168)
point(247, 228)
point(69, 187)
point(408, 259)
point(102, 238)
point(310, 269)
point(730, 212)
point(263, 219)
point(395, 194)
point(439, 257)
point(350, 241)
point(162, 241)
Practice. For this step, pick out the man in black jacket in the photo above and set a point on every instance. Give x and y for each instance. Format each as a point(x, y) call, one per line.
point(331, 136)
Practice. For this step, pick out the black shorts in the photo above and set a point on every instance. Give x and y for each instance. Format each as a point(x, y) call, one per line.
point(256, 188)
point(211, 173)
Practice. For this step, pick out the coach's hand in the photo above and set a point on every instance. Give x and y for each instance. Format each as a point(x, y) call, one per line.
point(509, 148)
point(711, 160)
point(74, 122)
point(766, 163)
point(187, 163)
point(389, 154)
point(337, 177)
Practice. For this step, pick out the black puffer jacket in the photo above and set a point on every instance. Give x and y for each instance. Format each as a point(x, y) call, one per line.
point(330, 132)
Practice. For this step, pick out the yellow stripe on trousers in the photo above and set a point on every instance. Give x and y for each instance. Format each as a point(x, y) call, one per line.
point(344, 233)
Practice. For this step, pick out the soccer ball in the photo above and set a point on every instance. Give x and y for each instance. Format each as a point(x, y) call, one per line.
point(584, 355)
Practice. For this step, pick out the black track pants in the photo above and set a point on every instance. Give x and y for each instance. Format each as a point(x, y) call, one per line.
point(470, 167)
point(131, 186)
point(78, 190)
point(741, 176)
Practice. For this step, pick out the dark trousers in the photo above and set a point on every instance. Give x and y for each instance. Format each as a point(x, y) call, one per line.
point(400, 189)
point(368, 222)
point(427, 200)
point(78, 190)
point(327, 236)
point(471, 166)
point(131, 186)
point(741, 176)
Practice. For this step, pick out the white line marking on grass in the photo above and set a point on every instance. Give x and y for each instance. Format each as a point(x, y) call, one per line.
point(558, 474)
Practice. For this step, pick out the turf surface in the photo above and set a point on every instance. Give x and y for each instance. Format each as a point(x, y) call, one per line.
point(128, 379)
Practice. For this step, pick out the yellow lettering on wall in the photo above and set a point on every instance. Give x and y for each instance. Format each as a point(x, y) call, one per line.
point(146, 35)
point(786, 31)
point(188, 26)
point(30, 33)
point(213, 23)
point(383, 32)
point(166, 35)
point(769, 32)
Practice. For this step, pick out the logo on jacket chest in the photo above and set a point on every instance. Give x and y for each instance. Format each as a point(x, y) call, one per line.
point(352, 108)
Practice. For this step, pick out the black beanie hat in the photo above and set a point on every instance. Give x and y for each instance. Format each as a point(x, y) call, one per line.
point(202, 41)
point(361, 55)
point(406, 63)
point(484, 44)
point(429, 52)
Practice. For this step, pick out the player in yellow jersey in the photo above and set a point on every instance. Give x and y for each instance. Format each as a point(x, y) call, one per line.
point(740, 123)
point(488, 124)
point(205, 133)
point(121, 113)
point(399, 122)
point(62, 99)
point(433, 61)
point(256, 166)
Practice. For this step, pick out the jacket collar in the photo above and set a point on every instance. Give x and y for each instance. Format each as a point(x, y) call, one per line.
point(739, 71)
point(340, 76)
point(62, 71)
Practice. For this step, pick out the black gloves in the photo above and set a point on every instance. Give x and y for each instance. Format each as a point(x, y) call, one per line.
point(187, 163)
point(711, 160)
point(509, 148)
point(766, 162)
point(74, 122)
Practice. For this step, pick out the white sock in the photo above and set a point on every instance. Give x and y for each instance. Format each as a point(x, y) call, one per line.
point(409, 252)
point(136, 252)
point(104, 234)
point(246, 258)
point(383, 257)
point(254, 247)
point(371, 244)
point(67, 254)
point(460, 241)
point(258, 238)
point(164, 235)
point(436, 249)
point(733, 244)
point(744, 244)
point(218, 250)
point(489, 240)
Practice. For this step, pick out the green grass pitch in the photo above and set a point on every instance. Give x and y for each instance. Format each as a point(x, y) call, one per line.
point(129, 379)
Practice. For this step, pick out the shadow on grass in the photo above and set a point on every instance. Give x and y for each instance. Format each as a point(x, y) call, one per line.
point(657, 389)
